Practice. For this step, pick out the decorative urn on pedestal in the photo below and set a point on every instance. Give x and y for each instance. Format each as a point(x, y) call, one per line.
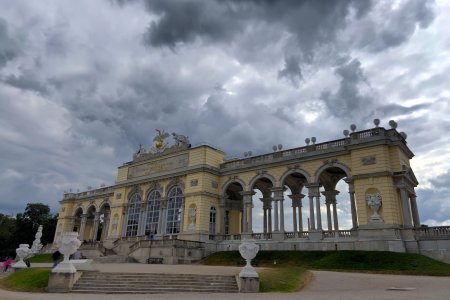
point(248, 277)
point(374, 202)
point(22, 252)
point(69, 245)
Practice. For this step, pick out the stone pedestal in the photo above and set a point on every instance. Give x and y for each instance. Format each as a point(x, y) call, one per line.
point(278, 236)
point(248, 284)
point(248, 277)
point(62, 282)
point(315, 235)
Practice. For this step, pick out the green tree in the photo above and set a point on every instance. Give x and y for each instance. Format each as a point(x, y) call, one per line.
point(7, 229)
point(27, 224)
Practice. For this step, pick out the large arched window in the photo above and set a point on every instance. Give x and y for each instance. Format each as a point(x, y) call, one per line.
point(212, 221)
point(134, 207)
point(174, 210)
point(153, 205)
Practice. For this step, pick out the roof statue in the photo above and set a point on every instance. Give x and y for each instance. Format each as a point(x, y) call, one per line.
point(160, 144)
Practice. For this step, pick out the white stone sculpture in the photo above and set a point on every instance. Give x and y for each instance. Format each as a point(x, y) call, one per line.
point(374, 202)
point(69, 245)
point(22, 252)
point(37, 246)
point(248, 250)
point(192, 218)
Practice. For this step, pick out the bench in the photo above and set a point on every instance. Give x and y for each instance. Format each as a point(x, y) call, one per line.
point(155, 260)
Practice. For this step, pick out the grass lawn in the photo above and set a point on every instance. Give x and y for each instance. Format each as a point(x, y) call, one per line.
point(41, 258)
point(27, 280)
point(288, 269)
point(284, 279)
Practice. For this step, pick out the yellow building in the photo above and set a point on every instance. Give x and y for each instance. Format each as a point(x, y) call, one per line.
point(189, 193)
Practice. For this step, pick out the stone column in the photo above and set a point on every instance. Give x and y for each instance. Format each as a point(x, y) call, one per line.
point(319, 215)
point(125, 220)
point(247, 210)
point(82, 226)
point(330, 197)
point(278, 197)
point(335, 216)
point(95, 227)
point(312, 220)
point(141, 221)
point(294, 216)
point(407, 222)
point(266, 213)
point(351, 191)
point(282, 214)
point(105, 229)
point(415, 211)
point(182, 214)
point(270, 219)
point(223, 200)
point(297, 203)
point(162, 217)
point(300, 215)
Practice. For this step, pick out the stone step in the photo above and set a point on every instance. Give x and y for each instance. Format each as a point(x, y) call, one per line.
point(150, 283)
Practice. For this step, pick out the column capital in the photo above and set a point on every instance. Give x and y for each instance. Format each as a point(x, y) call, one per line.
point(296, 199)
point(296, 196)
point(277, 193)
point(330, 196)
point(313, 189)
point(349, 180)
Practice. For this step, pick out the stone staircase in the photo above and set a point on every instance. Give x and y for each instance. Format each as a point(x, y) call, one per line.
point(153, 283)
point(114, 259)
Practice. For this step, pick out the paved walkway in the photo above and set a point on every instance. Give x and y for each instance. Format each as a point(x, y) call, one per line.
point(324, 286)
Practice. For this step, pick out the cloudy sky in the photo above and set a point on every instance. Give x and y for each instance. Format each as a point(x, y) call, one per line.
point(82, 83)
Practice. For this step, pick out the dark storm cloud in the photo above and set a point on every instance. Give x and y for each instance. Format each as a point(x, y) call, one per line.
point(29, 83)
point(185, 21)
point(352, 95)
point(312, 22)
point(395, 26)
point(291, 71)
point(442, 181)
point(397, 109)
point(9, 48)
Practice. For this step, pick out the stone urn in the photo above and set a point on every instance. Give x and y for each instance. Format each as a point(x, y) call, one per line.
point(248, 250)
point(192, 218)
point(22, 252)
point(374, 203)
point(69, 245)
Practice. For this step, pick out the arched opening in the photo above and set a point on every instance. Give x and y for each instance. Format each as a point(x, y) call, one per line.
point(174, 210)
point(232, 208)
point(134, 209)
point(77, 220)
point(337, 212)
point(103, 223)
point(295, 207)
point(270, 220)
point(88, 233)
point(152, 212)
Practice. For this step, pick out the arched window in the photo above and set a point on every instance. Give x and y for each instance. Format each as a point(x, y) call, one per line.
point(174, 210)
point(134, 208)
point(212, 220)
point(153, 205)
